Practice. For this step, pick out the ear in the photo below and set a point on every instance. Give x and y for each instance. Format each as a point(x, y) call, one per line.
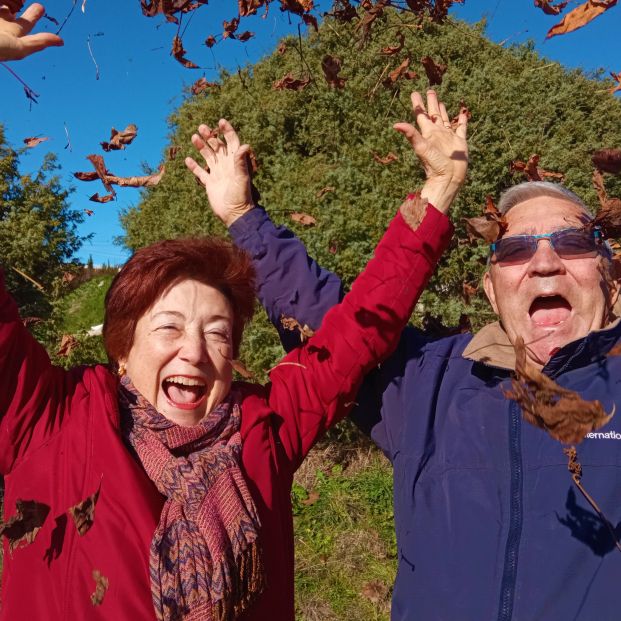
point(488, 287)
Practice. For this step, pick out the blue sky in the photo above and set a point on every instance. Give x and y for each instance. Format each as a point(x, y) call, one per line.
point(141, 83)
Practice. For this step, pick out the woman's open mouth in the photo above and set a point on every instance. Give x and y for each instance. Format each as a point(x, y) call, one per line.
point(184, 392)
point(549, 310)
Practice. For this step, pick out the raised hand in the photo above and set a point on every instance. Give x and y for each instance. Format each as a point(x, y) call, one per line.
point(442, 149)
point(15, 41)
point(226, 177)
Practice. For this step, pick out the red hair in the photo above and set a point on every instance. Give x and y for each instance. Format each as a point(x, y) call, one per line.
point(153, 270)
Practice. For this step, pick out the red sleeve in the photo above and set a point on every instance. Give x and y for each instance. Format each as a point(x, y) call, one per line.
point(31, 389)
point(315, 385)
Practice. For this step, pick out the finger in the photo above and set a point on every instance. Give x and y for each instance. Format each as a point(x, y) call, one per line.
point(433, 107)
point(444, 115)
point(29, 18)
point(462, 124)
point(230, 135)
point(241, 161)
point(410, 132)
point(418, 106)
point(198, 171)
point(205, 150)
point(211, 144)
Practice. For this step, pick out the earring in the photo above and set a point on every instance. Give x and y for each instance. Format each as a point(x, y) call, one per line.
point(121, 370)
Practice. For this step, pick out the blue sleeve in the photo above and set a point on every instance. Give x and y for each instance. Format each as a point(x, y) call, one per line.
point(289, 282)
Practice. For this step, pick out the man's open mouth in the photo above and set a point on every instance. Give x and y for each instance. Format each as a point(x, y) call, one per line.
point(549, 310)
point(184, 392)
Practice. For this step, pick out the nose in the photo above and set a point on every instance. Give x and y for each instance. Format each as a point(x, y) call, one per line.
point(545, 260)
point(193, 349)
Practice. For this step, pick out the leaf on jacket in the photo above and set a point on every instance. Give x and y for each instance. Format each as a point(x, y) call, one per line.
point(617, 78)
point(391, 50)
point(83, 513)
point(101, 586)
point(22, 528)
point(210, 41)
point(289, 323)
point(532, 170)
point(402, 71)
point(580, 16)
point(119, 139)
point(387, 159)
point(67, 344)
point(563, 413)
point(303, 218)
point(549, 7)
point(33, 141)
point(179, 53)
point(435, 71)
point(607, 160)
point(288, 82)
point(489, 227)
point(331, 65)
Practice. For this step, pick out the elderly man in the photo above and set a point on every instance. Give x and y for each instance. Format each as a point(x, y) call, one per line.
point(488, 522)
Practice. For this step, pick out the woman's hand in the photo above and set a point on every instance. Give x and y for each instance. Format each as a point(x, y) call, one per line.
point(442, 150)
point(225, 176)
point(15, 42)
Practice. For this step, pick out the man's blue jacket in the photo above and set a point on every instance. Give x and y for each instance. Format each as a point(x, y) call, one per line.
point(489, 524)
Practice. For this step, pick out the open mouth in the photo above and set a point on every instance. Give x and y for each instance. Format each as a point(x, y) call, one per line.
point(549, 310)
point(184, 392)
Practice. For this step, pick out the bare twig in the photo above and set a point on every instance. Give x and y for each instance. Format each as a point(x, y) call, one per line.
point(38, 285)
point(67, 17)
point(29, 92)
point(90, 51)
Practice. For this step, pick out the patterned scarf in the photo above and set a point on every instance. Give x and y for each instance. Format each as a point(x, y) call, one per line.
point(205, 560)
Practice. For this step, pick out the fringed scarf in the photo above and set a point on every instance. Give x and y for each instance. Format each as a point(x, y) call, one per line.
point(205, 560)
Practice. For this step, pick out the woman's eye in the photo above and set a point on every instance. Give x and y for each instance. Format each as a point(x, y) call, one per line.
point(218, 334)
point(169, 328)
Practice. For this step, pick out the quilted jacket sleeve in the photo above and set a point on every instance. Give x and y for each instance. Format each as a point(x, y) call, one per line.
point(315, 385)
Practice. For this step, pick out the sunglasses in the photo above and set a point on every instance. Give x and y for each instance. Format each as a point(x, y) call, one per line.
point(567, 243)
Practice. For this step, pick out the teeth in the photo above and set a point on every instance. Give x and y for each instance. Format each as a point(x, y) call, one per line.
point(185, 381)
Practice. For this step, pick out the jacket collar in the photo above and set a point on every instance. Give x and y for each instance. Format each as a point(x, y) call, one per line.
point(491, 346)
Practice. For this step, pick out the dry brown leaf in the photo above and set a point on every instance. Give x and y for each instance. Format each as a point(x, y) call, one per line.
point(249, 7)
point(118, 140)
point(371, 13)
point(608, 216)
point(549, 8)
point(532, 170)
point(313, 497)
point(241, 368)
point(67, 344)
point(288, 82)
point(100, 168)
point(580, 16)
point(391, 50)
point(22, 528)
point(33, 141)
point(310, 20)
point(169, 7)
point(179, 53)
point(210, 41)
point(89, 212)
point(108, 179)
point(172, 151)
point(375, 591)
point(230, 28)
point(617, 78)
point(297, 6)
point(245, 36)
point(289, 323)
point(303, 218)
point(343, 11)
point(489, 227)
point(282, 48)
point(106, 198)
point(469, 290)
point(387, 159)
point(31, 321)
point(101, 586)
point(83, 513)
point(331, 67)
point(397, 73)
point(563, 413)
point(607, 160)
point(324, 191)
point(435, 71)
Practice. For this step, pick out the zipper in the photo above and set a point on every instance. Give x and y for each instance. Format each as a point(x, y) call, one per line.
point(509, 575)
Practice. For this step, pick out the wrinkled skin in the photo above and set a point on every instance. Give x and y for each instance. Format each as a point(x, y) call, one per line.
point(518, 293)
point(187, 332)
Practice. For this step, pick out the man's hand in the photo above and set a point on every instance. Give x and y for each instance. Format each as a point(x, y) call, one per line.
point(442, 150)
point(15, 42)
point(225, 177)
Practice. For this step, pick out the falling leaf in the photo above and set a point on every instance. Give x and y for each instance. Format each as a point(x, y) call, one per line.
point(249, 7)
point(282, 48)
point(202, 85)
point(310, 20)
point(401, 71)
point(607, 160)
point(469, 290)
point(303, 218)
point(67, 344)
point(169, 7)
point(549, 8)
point(313, 497)
point(34, 141)
point(391, 50)
point(324, 191)
point(289, 323)
point(288, 82)
point(387, 159)
point(371, 13)
point(101, 586)
point(83, 513)
point(172, 151)
point(580, 16)
point(31, 321)
point(210, 41)
point(179, 53)
point(89, 212)
point(297, 6)
point(101, 199)
point(230, 28)
point(375, 591)
point(22, 528)
point(343, 12)
point(617, 78)
point(331, 67)
point(435, 71)
point(489, 227)
point(108, 179)
point(608, 216)
point(245, 36)
point(532, 170)
point(563, 413)
point(119, 139)
point(100, 168)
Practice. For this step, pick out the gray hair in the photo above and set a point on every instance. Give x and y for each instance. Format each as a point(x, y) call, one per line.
point(535, 189)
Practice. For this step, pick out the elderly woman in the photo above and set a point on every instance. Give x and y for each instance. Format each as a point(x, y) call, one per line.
point(156, 487)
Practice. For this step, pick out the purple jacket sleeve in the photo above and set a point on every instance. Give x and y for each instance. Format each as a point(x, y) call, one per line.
point(290, 283)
